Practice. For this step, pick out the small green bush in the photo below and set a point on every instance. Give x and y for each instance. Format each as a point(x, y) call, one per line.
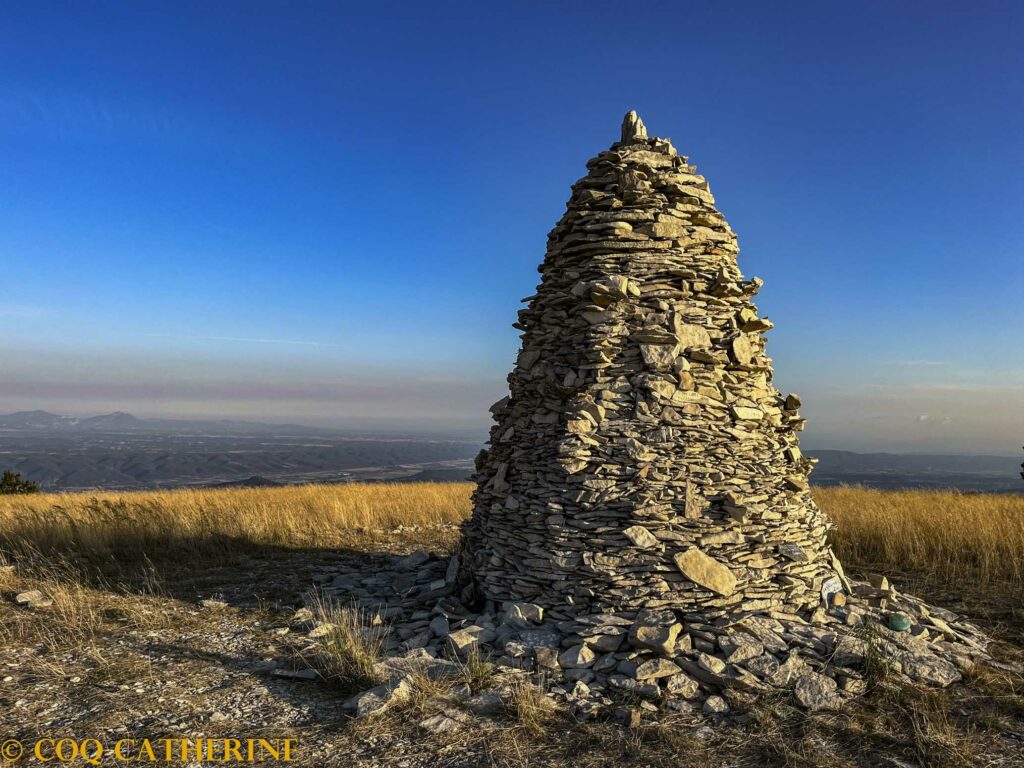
point(12, 483)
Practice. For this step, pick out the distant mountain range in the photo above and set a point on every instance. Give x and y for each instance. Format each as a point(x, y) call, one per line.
point(120, 451)
point(119, 421)
point(912, 470)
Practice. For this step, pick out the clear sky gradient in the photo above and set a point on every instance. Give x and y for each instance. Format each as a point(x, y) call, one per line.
point(327, 212)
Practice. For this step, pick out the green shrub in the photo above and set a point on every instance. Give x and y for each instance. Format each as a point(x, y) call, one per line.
point(12, 483)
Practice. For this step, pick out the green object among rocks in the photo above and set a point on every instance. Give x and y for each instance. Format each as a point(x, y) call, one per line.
point(899, 622)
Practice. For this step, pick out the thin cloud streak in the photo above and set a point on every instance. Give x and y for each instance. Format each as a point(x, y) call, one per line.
point(948, 387)
point(244, 340)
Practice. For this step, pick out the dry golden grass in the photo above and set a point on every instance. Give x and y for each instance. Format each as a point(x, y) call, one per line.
point(949, 535)
point(156, 523)
point(83, 611)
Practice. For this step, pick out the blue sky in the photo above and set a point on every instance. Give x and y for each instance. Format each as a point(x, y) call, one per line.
point(327, 212)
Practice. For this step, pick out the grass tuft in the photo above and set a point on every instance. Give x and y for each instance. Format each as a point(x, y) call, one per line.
point(876, 666)
point(349, 652)
point(532, 709)
point(476, 671)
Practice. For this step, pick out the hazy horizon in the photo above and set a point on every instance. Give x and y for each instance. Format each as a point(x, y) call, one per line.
point(335, 223)
point(479, 424)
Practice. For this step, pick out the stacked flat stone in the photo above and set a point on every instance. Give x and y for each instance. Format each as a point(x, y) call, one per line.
point(643, 458)
point(594, 663)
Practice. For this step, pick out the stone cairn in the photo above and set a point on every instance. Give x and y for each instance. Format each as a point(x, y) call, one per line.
point(644, 457)
point(643, 523)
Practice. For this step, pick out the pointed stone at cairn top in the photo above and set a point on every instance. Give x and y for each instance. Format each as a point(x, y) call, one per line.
point(633, 128)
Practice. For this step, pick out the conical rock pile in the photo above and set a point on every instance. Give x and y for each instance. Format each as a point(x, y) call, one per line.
point(642, 520)
point(643, 529)
point(644, 458)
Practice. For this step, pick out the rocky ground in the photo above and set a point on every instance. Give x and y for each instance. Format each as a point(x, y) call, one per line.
point(226, 647)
